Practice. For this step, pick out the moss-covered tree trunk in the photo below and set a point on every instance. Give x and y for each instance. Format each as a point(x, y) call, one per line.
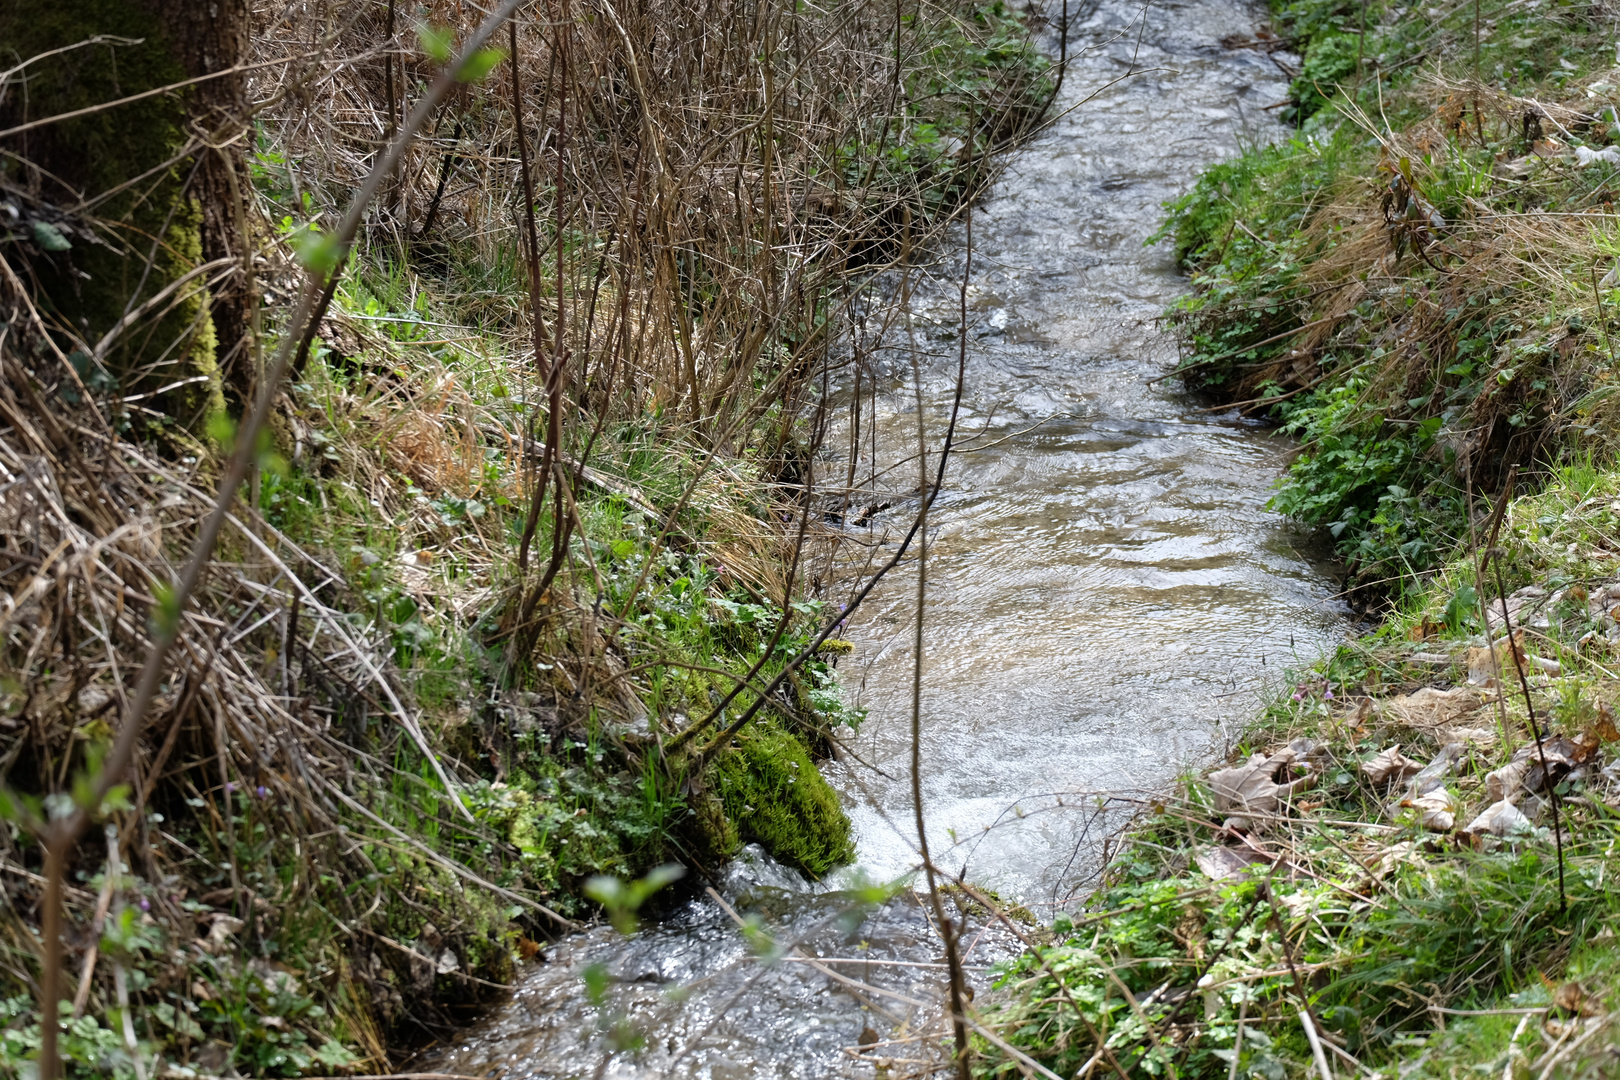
point(208, 38)
point(142, 195)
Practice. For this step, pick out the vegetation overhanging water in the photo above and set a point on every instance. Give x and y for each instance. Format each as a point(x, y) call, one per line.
point(434, 446)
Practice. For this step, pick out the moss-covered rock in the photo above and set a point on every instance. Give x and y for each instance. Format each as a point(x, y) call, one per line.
point(774, 794)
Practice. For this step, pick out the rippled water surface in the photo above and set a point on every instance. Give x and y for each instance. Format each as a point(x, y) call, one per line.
point(1104, 587)
point(1106, 590)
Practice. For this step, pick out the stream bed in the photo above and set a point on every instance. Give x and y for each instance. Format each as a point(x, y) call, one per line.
point(1106, 594)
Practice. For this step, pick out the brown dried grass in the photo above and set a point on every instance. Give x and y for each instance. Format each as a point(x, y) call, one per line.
point(1390, 298)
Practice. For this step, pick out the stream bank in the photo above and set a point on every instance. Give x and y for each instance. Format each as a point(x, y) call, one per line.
point(505, 600)
point(1404, 867)
point(1390, 864)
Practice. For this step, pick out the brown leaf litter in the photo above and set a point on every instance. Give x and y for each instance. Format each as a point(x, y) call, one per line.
point(1259, 786)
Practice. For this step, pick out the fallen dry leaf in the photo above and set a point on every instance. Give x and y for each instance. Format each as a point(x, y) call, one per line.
point(1437, 810)
point(1603, 729)
point(1225, 862)
point(1500, 819)
point(1562, 755)
point(1433, 774)
point(1390, 858)
point(1482, 737)
point(1481, 671)
point(1572, 998)
point(1423, 630)
point(219, 933)
point(1253, 787)
point(1506, 783)
point(1390, 765)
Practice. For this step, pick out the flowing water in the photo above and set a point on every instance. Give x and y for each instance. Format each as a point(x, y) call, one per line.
point(1106, 592)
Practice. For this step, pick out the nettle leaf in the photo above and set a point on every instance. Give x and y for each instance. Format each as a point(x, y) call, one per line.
point(435, 40)
point(479, 64)
point(50, 238)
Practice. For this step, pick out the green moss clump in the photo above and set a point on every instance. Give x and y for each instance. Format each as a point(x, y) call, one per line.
point(775, 795)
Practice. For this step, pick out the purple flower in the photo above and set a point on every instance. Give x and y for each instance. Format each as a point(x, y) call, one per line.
point(262, 792)
point(1328, 695)
point(230, 787)
point(1299, 695)
point(144, 904)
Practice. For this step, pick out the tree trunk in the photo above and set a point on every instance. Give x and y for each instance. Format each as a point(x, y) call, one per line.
point(160, 209)
point(206, 38)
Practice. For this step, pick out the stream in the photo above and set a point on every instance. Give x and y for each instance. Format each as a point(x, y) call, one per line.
point(1106, 595)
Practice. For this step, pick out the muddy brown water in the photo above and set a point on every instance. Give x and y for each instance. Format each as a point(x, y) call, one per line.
point(1107, 592)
